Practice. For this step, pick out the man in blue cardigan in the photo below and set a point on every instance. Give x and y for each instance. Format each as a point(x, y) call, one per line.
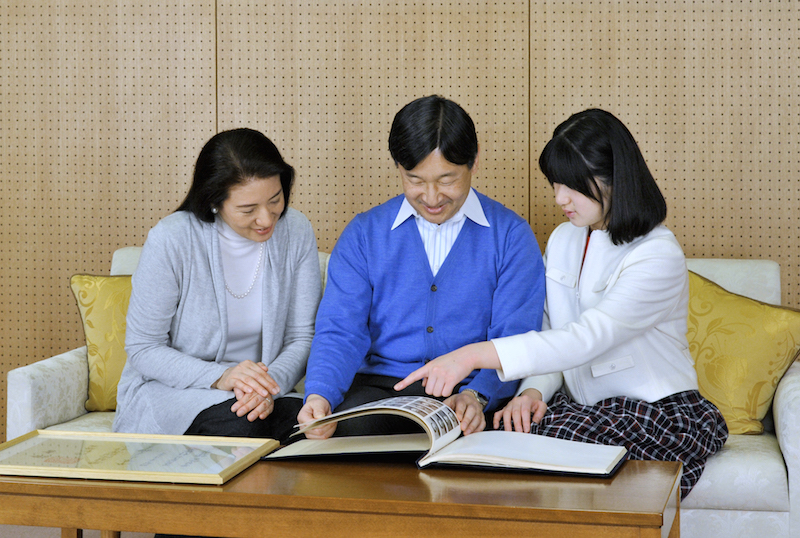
point(419, 276)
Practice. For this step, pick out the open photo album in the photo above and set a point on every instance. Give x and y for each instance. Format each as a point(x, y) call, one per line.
point(442, 443)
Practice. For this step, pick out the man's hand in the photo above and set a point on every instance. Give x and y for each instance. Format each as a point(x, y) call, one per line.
point(469, 412)
point(521, 411)
point(316, 407)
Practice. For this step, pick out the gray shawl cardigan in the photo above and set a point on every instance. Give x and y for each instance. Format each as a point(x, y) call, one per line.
point(177, 320)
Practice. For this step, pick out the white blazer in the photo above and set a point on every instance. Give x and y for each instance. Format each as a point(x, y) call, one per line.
point(617, 326)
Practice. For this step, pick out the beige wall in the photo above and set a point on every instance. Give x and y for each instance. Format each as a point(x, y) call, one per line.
point(710, 90)
point(104, 110)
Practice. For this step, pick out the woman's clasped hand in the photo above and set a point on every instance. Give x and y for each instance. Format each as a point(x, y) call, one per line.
point(253, 387)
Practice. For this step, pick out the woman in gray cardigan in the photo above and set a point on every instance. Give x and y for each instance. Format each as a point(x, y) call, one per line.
point(222, 310)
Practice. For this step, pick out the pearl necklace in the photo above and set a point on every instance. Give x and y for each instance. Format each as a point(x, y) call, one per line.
point(255, 277)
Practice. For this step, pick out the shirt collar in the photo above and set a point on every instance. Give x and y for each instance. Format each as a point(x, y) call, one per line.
point(472, 209)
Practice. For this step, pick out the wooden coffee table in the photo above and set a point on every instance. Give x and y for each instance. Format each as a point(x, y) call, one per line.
point(348, 498)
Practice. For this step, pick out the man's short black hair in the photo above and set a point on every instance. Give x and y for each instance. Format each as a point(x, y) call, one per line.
point(428, 123)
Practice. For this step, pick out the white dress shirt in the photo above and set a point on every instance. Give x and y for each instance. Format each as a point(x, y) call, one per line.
point(438, 239)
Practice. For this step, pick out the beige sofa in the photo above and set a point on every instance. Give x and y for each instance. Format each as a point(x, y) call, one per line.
point(750, 488)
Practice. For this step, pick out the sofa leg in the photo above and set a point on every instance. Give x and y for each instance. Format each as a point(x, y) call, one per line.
point(71, 533)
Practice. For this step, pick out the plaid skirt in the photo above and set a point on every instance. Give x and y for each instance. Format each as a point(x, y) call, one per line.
point(683, 427)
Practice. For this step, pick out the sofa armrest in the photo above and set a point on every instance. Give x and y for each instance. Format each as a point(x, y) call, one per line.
point(47, 392)
point(786, 411)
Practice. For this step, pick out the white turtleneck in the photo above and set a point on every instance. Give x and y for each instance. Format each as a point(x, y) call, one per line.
point(240, 259)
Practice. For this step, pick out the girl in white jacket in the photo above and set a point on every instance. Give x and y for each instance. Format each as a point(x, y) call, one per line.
point(612, 357)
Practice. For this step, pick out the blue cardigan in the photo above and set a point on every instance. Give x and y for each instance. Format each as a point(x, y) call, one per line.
point(383, 311)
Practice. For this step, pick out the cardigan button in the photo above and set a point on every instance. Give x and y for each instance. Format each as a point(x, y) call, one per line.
point(430, 329)
point(433, 287)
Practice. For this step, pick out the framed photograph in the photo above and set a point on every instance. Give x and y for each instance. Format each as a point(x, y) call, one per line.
point(182, 459)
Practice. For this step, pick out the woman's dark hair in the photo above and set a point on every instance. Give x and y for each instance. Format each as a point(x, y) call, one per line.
point(233, 158)
point(428, 123)
point(593, 146)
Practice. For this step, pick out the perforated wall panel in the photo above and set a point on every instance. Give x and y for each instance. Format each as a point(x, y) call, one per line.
point(104, 107)
point(325, 79)
point(711, 92)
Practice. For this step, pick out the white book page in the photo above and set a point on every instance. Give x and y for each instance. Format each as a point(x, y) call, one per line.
point(438, 420)
point(362, 444)
point(526, 451)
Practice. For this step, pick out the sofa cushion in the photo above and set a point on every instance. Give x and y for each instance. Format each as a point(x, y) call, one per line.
point(757, 279)
point(702, 523)
point(741, 348)
point(103, 304)
point(100, 422)
point(747, 474)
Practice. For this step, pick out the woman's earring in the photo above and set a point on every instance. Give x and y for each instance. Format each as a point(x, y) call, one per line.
point(214, 210)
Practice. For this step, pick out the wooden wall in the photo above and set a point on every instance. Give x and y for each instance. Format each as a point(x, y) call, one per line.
point(326, 80)
point(103, 109)
point(710, 90)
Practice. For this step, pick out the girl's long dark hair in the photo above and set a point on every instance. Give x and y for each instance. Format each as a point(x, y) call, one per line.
point(594, 146)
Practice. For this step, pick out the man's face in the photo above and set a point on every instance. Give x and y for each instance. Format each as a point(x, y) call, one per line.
point(437, 188)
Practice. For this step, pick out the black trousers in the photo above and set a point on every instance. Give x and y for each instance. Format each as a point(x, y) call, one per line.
point(220, 420)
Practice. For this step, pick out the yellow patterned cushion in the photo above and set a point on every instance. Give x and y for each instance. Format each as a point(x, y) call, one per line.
point(741, 348)
point(103, 303)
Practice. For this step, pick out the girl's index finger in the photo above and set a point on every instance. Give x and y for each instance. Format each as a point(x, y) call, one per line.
point(413, 377)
